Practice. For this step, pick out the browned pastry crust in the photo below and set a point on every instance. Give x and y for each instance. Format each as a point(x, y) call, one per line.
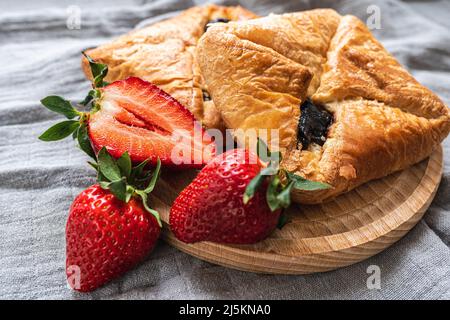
point(163, 53)
point(259, 71)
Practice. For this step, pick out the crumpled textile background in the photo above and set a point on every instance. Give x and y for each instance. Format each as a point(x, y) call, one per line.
point(40, 56)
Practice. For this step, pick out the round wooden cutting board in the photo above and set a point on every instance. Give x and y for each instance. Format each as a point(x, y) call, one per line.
point(318, 238)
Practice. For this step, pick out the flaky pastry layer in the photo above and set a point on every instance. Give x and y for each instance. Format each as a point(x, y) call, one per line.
point(163, 53)
point(258, 72)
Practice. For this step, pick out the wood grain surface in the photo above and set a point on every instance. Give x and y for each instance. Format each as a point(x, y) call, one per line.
point(351, 228)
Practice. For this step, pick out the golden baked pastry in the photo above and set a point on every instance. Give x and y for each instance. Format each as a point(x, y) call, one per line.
point(163, 54)
point(259, 72)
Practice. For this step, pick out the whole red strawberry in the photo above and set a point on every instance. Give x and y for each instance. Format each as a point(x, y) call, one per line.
point(105, 237)
point(110, 226)
point(212, 207)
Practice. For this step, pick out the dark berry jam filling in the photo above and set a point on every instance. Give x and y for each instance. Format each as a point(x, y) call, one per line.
point(206, 96)
point(224, 20)
point(313, 124)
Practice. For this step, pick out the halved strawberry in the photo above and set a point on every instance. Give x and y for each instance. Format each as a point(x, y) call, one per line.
point(136, 116)
point(132, 115)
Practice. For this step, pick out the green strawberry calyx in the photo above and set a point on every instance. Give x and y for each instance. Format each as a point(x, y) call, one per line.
point(116, 175)
point(280, 182)
point(124, 180)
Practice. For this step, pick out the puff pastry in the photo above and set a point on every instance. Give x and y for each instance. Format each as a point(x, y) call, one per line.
point(259, 72)
point(163, 54)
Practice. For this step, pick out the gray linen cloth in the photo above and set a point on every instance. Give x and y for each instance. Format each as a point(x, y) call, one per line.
point(39, 55)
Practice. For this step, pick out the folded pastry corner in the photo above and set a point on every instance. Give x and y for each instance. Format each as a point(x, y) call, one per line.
point(255, 86)
point(346, 110)
point(163, 53)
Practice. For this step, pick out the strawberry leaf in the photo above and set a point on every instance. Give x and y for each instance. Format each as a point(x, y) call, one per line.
point(108, 166)
point(104, 184)
point(98, 70)
point(137, 172)
point(87, 99)
point(154, 178)
point(61, 106)
point(84, 141)
point(124, 163)
point(119, 189)
point(155, 213)
point(60, 130)
point(129, 193)
point(304, 184)
point(93, 165)
point(101, 178)
point(256, 182)
point(252, 187)
point(93, 94)
point(284, 197)
point(272, 193)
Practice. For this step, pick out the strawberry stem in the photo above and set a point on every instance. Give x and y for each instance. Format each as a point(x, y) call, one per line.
point(98, 70)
